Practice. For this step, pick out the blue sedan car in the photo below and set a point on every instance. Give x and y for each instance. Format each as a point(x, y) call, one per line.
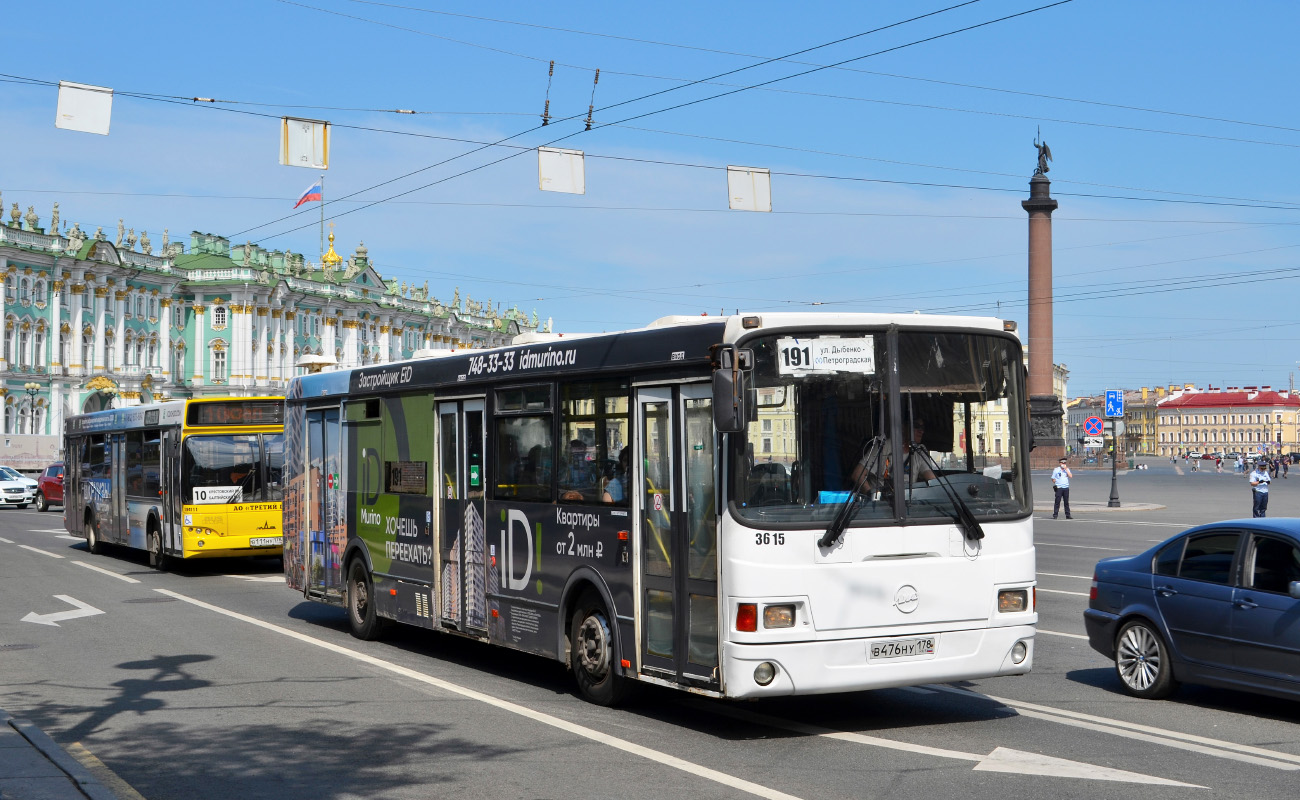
point(1218, 605)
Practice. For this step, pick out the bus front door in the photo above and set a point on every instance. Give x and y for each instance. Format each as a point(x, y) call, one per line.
point(323, 500)
point(173, 498)
point(462, 535)
point(677, 516)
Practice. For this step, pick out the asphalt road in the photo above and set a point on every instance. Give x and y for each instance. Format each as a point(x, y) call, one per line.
point(218, 682)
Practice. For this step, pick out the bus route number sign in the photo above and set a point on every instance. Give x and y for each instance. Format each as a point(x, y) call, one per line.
point(826, 355)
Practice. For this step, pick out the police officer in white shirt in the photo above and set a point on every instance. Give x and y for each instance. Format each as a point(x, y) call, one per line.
point(1061, 481)
point(1259, 481)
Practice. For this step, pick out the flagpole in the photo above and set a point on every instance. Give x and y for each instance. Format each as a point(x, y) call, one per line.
point(322, 217)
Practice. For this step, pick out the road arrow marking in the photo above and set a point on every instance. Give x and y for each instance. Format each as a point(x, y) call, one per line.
point(1002, 759)
point(54, 619)
point(1143, 733)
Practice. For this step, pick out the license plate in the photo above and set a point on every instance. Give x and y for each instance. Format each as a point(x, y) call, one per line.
point(901, 648)
point(266, 541)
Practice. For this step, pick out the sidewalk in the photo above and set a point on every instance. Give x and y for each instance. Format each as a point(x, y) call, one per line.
point(1078, 507)
point(33, 767)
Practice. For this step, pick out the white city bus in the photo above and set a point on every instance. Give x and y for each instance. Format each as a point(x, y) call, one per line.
point(707, 503)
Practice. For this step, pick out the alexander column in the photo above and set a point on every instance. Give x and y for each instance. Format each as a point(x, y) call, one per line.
point(1045, 409)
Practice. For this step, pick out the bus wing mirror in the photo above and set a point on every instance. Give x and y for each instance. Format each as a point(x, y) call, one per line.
point(730, 368)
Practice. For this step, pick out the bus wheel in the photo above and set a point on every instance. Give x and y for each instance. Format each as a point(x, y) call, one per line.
point(93, 544)
point(157, 558)
point(592, 652)
point(362, 619)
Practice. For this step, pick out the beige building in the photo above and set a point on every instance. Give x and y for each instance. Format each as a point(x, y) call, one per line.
point(1248, 419)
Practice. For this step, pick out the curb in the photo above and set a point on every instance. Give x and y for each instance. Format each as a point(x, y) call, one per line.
point(85, 782)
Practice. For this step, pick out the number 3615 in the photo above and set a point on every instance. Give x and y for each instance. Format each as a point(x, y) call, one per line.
point(769, 538)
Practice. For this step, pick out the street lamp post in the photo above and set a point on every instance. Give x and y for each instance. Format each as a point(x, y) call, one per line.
point(32, 390)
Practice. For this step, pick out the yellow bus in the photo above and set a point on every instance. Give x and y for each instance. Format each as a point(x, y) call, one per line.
point(183, 479)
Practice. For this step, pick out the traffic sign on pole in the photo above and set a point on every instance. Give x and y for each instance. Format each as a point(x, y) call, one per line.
point(1092, 426)
point(1114, 402)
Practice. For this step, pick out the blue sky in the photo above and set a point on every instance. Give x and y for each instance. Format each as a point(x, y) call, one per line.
point(1148, 291)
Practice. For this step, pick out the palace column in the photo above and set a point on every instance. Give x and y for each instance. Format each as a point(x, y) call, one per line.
point(275, 361)
point(75, 326)
point(385, 335)
point(119, 324)
point(55, 332)
point(1045, 407)
point(4, 270)
point(198, 342)
point(165, 336)
point(101, 307)
point(286, 357)
point(260, 335)
point(350, 358)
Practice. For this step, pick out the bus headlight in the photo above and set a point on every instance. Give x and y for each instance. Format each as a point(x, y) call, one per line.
point(1019, 651)
point(778, 616)
point(1012, 600)
point(764, 673)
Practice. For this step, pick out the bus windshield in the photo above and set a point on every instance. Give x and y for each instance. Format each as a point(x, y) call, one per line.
point(822, 428)
point(228, 469)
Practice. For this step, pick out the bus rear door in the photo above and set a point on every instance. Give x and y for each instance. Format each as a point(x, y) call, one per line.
point(677, 519)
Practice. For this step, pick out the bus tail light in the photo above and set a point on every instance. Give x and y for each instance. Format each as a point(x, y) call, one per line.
point(778, 616)
point(1011, 601)
point(747, 617)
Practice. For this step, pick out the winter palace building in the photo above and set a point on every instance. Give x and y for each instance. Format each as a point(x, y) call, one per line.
point(92, 319)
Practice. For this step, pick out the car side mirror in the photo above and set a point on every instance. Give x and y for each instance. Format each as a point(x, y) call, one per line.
point(1294, 589)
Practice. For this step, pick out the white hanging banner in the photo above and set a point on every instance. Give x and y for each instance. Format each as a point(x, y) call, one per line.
point(84, 108)
point(304, 143)
point(749, 189)
point(561, 171)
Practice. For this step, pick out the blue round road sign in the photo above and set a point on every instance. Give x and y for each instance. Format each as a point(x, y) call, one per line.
point(1092, 427)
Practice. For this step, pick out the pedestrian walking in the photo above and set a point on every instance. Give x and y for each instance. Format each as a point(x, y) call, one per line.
point(1259, 481)
point(1061, 483)
point(1286, 466)
point(1218, 465)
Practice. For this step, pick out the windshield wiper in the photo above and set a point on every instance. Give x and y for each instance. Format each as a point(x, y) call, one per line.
point(962, 515)
point(871, 463)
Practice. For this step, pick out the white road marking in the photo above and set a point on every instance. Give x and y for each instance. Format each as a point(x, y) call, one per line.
point(1062, 591)
point(1059, 575)
point(81, 610)
point(70, 538)
point(108, 572)
point(1058, 633)
point(505, 705)
point(261, 578)
point(39, 550)
point(48, 530)
point(1083, 547)
point(7, 541)
point(1146, 733)
point(915, 690)
point(1002, 759)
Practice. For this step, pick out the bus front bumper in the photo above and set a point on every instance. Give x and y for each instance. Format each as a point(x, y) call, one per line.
point(845, 665)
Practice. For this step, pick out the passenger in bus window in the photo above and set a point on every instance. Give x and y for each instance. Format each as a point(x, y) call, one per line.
point(578, 478)
point(616, 486)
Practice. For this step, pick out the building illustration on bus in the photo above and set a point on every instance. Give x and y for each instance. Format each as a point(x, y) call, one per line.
point(608, 501)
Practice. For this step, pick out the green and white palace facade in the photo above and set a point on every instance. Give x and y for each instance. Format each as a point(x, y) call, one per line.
point(93, 319)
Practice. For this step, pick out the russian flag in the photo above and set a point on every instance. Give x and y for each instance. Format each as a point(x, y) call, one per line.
point(313, 193)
